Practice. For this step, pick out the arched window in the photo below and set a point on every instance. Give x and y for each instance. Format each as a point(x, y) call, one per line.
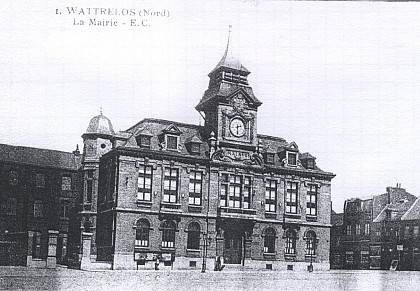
point(193, 241)
point(310, 243)
point(269, 240)
point(168, 234)
point(290, 242)
point(142, 233)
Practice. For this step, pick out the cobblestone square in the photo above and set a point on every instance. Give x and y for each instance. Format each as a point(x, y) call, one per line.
point(15, 278)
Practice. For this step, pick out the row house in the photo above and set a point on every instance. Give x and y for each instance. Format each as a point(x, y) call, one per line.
point(378, 232)
point(39, 190)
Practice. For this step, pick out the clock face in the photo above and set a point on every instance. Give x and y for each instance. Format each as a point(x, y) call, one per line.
point(237, 127)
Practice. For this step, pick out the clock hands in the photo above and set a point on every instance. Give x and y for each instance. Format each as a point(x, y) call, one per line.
point(238, 126)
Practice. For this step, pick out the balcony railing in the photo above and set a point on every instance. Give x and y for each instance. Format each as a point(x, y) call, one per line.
point(237, 210)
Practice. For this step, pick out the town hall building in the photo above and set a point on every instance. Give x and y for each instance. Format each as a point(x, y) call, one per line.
point(165, 194)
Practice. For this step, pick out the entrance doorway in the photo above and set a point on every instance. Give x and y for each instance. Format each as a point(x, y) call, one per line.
point(233, 247)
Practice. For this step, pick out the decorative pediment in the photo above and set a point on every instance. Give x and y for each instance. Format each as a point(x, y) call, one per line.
point(172, 129)
point(193, 139)
point(269, 150)
point(292, 147)
point(240, 99)
point(143, 131)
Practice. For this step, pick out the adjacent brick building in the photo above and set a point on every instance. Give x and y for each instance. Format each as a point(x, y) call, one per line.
point(39, 190)
point(378, 231)
point(184, 194)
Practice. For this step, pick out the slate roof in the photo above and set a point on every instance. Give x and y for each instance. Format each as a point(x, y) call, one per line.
point(39, 157)
point(413, 212)
point(230, 61)
point(225, 89)
point(156, 127)
point(399, 207)
point(306, 156)
point(100, 124)
point(196, 133)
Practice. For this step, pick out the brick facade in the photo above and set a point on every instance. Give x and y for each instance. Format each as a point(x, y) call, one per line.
point(391, 235)
point(184, 195)
point(39, 192)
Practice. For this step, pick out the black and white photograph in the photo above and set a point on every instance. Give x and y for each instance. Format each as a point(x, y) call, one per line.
point(209, 145)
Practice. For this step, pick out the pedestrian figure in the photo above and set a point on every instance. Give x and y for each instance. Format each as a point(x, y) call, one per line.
point(157, 264)
point(218, 266)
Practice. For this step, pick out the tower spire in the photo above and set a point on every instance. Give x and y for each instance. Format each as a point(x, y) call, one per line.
point(228, 60)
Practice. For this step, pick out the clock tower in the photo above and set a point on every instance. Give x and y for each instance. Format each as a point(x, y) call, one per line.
point(229, 105)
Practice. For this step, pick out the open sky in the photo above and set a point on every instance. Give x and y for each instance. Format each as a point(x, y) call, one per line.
point(341, 79)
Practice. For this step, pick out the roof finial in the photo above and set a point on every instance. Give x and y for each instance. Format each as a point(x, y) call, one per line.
point(230, 30)
point(100, 109)
point(228, 42)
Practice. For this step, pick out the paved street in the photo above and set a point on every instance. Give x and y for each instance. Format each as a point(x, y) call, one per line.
point(14, 278)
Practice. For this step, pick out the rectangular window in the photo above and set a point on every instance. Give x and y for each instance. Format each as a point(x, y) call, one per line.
point(89, 186)
point(145, 141)
point(171, 142)
point(40, 180)
point(235, 182)
point(311, 200)
point(144, 183)
point(349, 257)
point(292, 197)
point(407, 233)
point(349, 229)
point(235, 191)
point(270, 158)
point(246, 192)
point(357, 229)
point(195, 148)
point(66, 183)
point(310, 164)
point(170, 193)
point(38, 209)
point(291, 159)
point(364, 257)
point(367, 228)
point(270, 195)
point(36, 253)
point(64, 209)
point(11, 206)
point(416, 231)
point(196, 178)
point(375, 250)
point(224, 186)
point(378, 232)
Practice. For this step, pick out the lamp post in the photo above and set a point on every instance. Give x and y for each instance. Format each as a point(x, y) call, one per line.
point(310, 267)
point(203, 266)
point(206, 233)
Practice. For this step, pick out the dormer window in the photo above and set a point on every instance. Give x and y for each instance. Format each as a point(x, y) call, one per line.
point(291, 159)
point(195, 148)
point(308, 161)
point(171, 142)
point(269, 158)
point(193, 145)
point(143, 141)
point(310, 164)
point(143, 138)
point(170, 137)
